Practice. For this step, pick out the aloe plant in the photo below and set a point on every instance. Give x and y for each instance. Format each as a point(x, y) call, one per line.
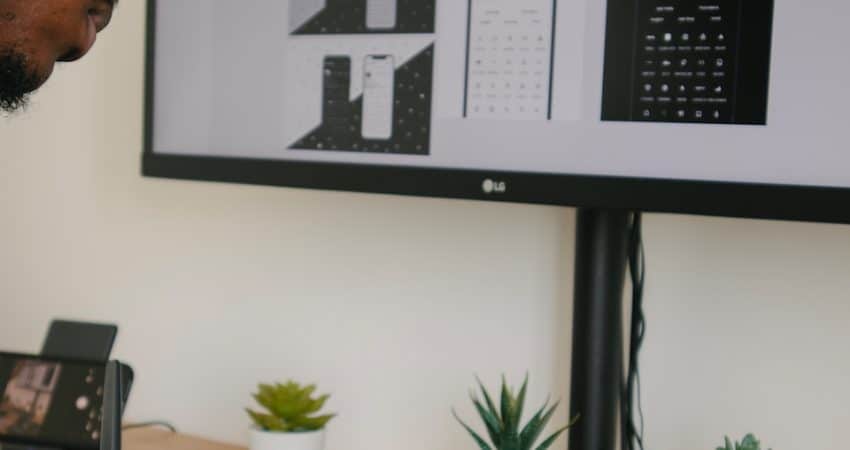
point(290, 408)
point(503, 424)
point(749, 443)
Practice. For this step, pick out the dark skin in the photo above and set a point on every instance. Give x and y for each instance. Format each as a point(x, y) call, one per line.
point(44, 32)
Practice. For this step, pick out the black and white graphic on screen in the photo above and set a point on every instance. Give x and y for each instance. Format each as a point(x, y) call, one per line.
point(694, 62)
point(336, 110)
point(381, 14)
point(510, 51)
point(308, 17)
point(391, 115)
point(378, 86)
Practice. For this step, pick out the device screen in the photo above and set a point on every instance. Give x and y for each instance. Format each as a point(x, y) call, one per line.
point(381, 14)
point(50, 401)
point(378, 87)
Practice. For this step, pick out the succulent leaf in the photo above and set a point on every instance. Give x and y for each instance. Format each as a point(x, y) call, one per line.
point(750, 443)
point(490, 405)
point(532, 429)
point(492, 423)
point(507, 399)
point(536, 425)
point(551, 439)
point(478, 440)
point(268, 422)
point(520, 401)
point(312, 423)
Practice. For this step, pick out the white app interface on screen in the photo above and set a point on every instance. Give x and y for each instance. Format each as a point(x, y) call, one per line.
point(510, 59)
point(378, 86)
point(381, 14)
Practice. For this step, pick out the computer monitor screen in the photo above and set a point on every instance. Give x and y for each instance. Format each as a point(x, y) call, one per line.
point(731, 107)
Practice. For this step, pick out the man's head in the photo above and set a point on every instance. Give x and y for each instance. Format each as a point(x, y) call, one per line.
point(36, 34)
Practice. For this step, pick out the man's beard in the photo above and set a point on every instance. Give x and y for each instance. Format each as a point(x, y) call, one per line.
point(16, 81)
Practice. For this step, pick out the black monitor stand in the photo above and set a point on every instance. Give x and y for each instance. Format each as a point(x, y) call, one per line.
point(602, 238)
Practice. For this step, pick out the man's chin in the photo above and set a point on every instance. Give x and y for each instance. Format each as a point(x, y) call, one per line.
point(17, 81)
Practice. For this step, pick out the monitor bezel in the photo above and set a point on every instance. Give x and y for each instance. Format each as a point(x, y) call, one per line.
point(707, 198)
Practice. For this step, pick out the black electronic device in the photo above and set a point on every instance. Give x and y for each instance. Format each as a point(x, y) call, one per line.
point(113, 406)
point(656, 105)
point(52, 402)
point(79, 340)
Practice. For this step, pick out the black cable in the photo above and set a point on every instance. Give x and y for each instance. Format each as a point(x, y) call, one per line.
point(632, 434)
point(153, 423)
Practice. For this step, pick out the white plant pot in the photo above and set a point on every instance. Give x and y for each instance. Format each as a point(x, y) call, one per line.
point(268, 440)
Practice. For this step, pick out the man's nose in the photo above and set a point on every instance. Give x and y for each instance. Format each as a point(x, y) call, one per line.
point(81, 44)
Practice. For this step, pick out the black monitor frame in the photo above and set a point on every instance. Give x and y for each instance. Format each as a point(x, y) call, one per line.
point(744, 200)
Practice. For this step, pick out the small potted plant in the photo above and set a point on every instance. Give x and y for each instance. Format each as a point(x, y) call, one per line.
point(503, 424)
point(290, 420)
point(749, 443)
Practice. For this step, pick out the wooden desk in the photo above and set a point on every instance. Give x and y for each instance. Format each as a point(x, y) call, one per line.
point(151, 439)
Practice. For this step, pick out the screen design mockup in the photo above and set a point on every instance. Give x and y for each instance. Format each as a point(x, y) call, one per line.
point(376, 69)
point(696, 62)
point(361, 16)
point(51, 402)
point(509, 59)
point(645, 89)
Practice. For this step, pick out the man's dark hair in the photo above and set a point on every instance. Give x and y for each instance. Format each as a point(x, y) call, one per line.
point(15, 81)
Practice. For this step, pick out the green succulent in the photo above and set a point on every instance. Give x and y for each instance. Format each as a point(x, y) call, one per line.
point(749, 443)
point(290, 408)
point(503, 425)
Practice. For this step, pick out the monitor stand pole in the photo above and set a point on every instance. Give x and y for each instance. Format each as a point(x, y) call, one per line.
point(600, 269)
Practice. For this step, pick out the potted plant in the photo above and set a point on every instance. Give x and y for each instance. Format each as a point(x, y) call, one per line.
point(290, 420)
point(503, 424)
point(749, 443)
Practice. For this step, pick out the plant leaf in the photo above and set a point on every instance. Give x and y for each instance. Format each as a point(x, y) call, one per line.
point(532, 428)
point(492, 423)
point(520, 401)
point(750, 443)
point(505, 403)
point(490, 405)
point(312, 423)
point(478, 440)
point(551, 439)
point(268, 422)
point(536, 426)
point(317, 404)
point(510, 420)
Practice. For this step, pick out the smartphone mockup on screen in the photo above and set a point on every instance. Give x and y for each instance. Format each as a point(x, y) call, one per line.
point(51, 402)
point(336, 91)
point(381, 14)
point(378, 93)
point(509, 59)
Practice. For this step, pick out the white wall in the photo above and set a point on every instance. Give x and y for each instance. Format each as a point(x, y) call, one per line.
point(390, 303)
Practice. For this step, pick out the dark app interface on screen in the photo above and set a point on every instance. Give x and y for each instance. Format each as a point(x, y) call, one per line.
point(52, 402)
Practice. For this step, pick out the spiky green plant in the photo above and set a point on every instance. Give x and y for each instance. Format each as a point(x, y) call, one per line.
point(749, 443)
point(503, 425)
point(290, 408)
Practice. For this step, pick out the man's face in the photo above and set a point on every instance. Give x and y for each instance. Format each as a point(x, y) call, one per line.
point(36, 34)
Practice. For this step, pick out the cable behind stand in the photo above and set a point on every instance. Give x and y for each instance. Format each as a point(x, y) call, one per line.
point(632, 434)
